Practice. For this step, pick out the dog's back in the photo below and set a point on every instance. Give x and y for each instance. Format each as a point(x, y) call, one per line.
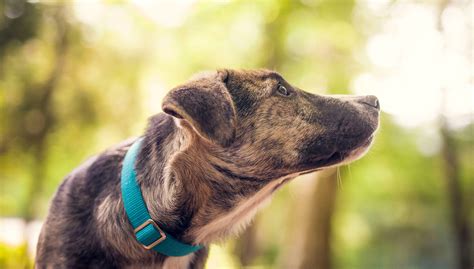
point(70, 238)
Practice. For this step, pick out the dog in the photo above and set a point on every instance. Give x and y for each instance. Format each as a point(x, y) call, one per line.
point(225, 142)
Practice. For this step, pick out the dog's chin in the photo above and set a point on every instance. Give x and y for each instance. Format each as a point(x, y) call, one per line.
point(339, 158)
point(357, 153)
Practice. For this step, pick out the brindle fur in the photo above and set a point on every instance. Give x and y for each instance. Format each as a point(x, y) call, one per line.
point(225, 143)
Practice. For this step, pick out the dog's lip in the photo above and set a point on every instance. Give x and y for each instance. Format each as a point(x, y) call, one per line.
point(358, 152)
point(332, 159)
point(310, 171)
point(341, 156)
point(367, 142)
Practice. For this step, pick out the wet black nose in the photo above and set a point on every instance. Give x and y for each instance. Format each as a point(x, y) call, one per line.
point(370, 100)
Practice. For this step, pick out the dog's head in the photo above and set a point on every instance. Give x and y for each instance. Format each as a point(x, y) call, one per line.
point(263, 122)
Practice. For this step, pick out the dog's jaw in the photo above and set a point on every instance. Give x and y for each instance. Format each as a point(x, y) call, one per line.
point(233, 222)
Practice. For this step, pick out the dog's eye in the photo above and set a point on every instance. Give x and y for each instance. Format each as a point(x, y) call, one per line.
point(283, 90)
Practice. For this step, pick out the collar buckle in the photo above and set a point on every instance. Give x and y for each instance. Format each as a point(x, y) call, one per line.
point(147, 233)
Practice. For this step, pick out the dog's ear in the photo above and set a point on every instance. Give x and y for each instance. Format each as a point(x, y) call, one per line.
point(207, 105)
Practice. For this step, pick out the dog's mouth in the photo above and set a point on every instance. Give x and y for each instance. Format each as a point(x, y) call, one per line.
point(335, 159)
point(342, 157)
point(358, 152)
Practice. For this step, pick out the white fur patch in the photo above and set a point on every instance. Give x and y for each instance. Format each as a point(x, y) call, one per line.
point(236, 220)
point(178, 262)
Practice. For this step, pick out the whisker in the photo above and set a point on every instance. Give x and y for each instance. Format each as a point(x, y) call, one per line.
point(339, 174)
point(339, 178)
point(350, 172)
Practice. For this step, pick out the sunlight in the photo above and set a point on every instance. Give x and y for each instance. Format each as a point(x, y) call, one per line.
point(14, 232)
point(418, 81)
point(11, 231)
point(220, 258)
point(165, 13)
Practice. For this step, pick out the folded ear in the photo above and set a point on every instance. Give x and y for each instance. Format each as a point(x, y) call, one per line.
point(207, 105)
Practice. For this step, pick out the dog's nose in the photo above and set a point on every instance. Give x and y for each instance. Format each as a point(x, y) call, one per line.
point(371, 100)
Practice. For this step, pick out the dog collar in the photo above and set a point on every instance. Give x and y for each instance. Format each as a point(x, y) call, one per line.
point(146, 230)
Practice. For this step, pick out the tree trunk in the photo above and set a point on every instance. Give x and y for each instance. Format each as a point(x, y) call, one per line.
point(459, 216)
point(247, 245)
point(317, 250)
point(451, 165)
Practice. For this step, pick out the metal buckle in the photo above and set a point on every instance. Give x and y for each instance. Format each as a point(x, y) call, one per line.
point(159, 240)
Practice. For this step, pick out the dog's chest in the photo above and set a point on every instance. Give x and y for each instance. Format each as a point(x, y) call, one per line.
point(234, 221)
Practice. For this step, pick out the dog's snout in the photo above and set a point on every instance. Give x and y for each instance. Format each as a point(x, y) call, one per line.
point(370, 100)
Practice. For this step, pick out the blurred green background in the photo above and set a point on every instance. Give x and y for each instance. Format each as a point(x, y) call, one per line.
point(79, 76)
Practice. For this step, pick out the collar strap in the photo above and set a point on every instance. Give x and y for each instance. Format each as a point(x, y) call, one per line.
point(146, 230)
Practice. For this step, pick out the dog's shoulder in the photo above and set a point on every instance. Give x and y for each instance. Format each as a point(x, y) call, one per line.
point(97, 174)
point(70, 221)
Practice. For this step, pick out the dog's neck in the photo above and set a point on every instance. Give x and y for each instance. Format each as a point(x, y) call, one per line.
point(193, 192)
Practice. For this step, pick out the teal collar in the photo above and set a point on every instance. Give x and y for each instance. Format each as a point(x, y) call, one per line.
point(147, 232)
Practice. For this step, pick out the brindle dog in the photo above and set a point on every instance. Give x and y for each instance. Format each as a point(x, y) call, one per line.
point(225, 143)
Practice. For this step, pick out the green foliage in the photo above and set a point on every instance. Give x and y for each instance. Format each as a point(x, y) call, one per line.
point(394, 203)
point(14, 257)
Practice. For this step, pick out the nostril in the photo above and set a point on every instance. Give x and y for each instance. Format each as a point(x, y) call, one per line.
point(372, 101)
point(376, 103)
